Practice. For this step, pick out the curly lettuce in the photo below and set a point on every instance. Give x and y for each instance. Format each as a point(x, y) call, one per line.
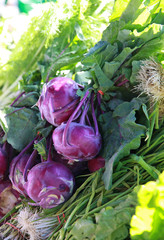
point(148, 221)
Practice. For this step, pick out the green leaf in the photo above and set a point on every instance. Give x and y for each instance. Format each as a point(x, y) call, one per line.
point(31, 81)
point(147, 223)
point(27, 100)
point(113, 223)
point(40, 146)
point(83, 229)
point(121, 133)
point(20, 126)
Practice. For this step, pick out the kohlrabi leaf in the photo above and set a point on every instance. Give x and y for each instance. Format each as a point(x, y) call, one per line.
point(83, 229)
point(40, 146)
point(110, 223)
point(121, 133)
point(31, 81)
point(20, 126)
point(27, 100)
point(113, 223)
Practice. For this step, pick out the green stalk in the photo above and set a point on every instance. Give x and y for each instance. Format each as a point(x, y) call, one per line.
point(98, 209)
point(94, 185)
point(157, 116)
point(76, 193)
point(70, 218)
point(151, 129)
point(146, 166)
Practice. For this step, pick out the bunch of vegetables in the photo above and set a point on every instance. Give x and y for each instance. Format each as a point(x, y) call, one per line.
point(81, 141)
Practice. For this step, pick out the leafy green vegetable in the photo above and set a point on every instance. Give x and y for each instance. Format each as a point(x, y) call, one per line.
point(132, 35)
point(40, 146)
point(147, 223)
point(83, 229)
point(121, 133)
point(110, 223)
point(19, 125)
point(57, 36)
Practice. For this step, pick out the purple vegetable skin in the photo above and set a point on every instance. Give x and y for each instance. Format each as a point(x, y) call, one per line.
point(77, 141)
point(8, 197)
point(77, 168)
point(49, 184)
point(82, 142)
point(16, 176)
point(58, 100)
point(3, 163)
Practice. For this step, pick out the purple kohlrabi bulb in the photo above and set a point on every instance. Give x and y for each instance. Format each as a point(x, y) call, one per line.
point(16, 173)
point(8, 197)
point(3, 163)
point(78, 141)
point(49, 184)
point(82, 142)
point(58, 100)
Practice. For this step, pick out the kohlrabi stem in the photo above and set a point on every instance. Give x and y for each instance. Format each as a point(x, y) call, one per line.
point(66, 107)
point(93, 115)
point(26, 96)
point(99, 102)
point(72, 117)
point(88, 120)
point(49, 159)
point(122, 83)
point(14, 111)
point(83, 116)
point(29, 163)
point(21, 154)
point(19, 96)
point(119, 78)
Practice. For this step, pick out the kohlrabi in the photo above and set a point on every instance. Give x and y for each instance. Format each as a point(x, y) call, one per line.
point(58, 100)
point(96, 163)
point(16, 176)
point(49, 183)
point(78, 141)
point(3, 163)
point(8, 197)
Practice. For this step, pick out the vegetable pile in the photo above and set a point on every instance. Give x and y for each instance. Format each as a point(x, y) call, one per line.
point(85, 129)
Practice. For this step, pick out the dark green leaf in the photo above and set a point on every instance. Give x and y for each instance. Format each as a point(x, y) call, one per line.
point(20, 126)
point(121, 133)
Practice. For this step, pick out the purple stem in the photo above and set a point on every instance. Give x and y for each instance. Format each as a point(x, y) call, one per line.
point(93, 114)
point(86, 107)
point(80, 86)
point(14, 111)
point(99, 102)
point(122, 83)
point(20, 95)
point(66, 107)
point(30, 163)
point(21, 154)
point(26, 96)
point(49, 159)
point(119, 78)
point(88, 120)
point(64, 140)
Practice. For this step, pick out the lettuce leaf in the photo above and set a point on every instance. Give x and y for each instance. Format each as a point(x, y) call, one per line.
point(148, 221)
